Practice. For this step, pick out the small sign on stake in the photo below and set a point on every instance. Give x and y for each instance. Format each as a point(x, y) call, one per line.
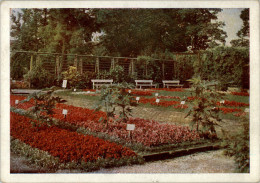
point(75, 89)
point(182, 102)
point(16, 101)
point(129, 91)
point(64, 84)
point(156, 94)
point(246, 109)
point(222, 101)
point(157, 101)
point(130, 127)
point(137, 99)
point(65, 112)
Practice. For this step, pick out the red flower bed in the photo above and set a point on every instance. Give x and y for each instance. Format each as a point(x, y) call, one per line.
point(170, 89)
point(240, 93)
point(233, 103)
point(68, 146)
point(147, 132)
point(141, 93)
point(163, 103)
point(169, 97)
point(24, 106)
point(228, 110)
point(77, 114)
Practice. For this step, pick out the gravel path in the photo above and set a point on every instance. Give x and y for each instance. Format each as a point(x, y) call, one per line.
point(206, 162)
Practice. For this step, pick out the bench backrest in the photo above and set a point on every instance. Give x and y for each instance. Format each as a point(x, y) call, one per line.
point(171, 81)
point(102, 80)
point(143, 81)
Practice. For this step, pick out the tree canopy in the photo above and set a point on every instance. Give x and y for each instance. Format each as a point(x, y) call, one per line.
point(125, 32)
point(243, 33)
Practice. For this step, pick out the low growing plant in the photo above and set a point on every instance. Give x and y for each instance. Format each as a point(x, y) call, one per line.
point(44, 104)
point(237, 146)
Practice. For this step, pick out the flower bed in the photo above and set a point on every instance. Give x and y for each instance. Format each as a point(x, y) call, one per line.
point(228, 110)
point(24, 106)
point(67, 146)
point(233, 103)
point(240, 93)
point(148, 133)
point(162, 103)
point(170, 89)
point(140, 92)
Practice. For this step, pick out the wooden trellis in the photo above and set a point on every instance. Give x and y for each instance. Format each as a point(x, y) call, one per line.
point(96, 64)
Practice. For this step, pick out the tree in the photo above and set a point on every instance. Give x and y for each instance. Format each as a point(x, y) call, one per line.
point(243, 33)
point(132, 32)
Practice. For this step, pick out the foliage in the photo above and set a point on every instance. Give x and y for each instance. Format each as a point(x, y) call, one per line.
point(43, 108)
point(72, 76)
point(38, 77)
point(116, 96)
point(237, 145)
point(129, 31)
point(202, 107)
point(117, 74)
point(228, 65)
point(243, 33)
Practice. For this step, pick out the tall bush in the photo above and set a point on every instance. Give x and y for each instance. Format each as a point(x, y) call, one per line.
point(228, 65)
point(38, 77)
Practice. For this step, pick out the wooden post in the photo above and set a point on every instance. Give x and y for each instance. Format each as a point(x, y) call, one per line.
point(58, 66)
point(31, 63)
point(81, 65)
point(133, 67)
point(163, 70)
point(145, 67)
point(97, 66)
point(112, 64)
point(130, 68)
point(76, 62)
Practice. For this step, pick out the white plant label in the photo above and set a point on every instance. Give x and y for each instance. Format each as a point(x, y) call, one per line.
point(16, 101)
point(137, 98)
point(65, 111)
point(246, 109)
point(130, 127)
point(64, 84)
point(157, 100)
point(75, 90)
point(129, 91)
point(156, 94)
point(88, 91)
point(182, 102)
point(222, 101)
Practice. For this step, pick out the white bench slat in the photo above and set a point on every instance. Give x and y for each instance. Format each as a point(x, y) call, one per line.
point(171, 83)
point(101, 82)
point(144, 83)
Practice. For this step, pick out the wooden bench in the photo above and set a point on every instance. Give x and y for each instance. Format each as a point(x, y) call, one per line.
point(175, 83)
point(101, 82)
point(141, 83)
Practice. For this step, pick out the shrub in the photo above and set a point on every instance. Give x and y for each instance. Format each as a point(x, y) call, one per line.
point(72, 76)
point(38, 77)
point(202, 108)
point(237, 145)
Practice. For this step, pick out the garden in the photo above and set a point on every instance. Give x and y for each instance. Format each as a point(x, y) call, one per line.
point(60, 120)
